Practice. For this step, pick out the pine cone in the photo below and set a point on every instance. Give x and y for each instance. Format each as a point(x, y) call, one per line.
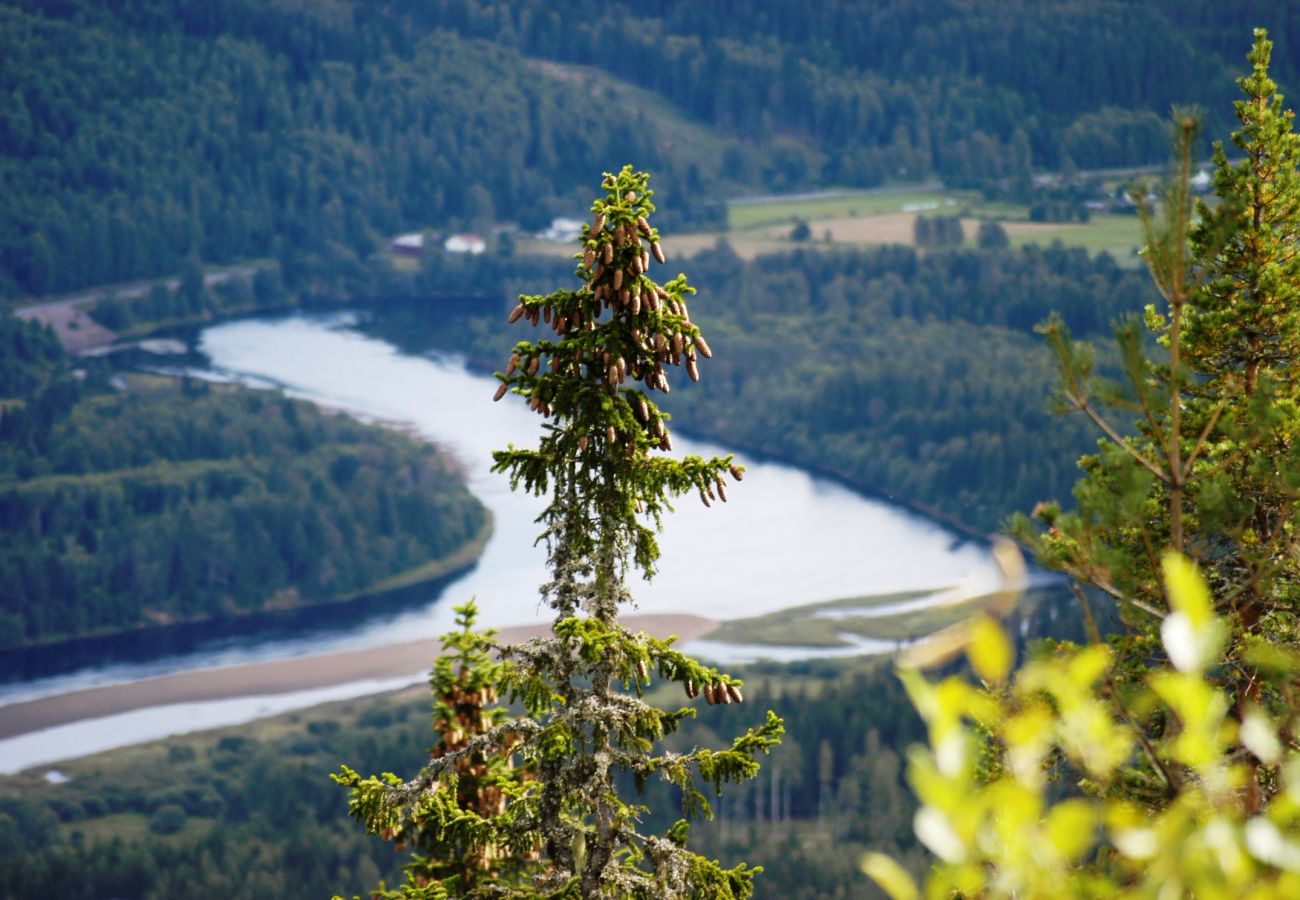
point(734, 693)
point(618, 278)
point(513, 364)
point(582, 444)
point(532, 366)
point(737, 473)
point(599, 222)
point(657, 249)
point(501, 391)
point(691, 369)
point(607, 252)
point(610, 434)
point(515, 314)
point(703, 346)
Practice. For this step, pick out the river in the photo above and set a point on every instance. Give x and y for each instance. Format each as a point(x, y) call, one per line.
point(786, 538)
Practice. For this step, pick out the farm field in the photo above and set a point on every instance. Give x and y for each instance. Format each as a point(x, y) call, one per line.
point(880, 216)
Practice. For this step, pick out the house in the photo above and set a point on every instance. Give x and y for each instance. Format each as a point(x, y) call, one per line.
point(562, 230)
point(407, 244)
point(465, 243)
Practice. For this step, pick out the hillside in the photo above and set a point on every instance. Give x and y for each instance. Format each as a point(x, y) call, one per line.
point(149, 132)
point(156, 500)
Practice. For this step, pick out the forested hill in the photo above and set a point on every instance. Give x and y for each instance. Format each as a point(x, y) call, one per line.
point(138, 134)
point(910, 87)
point(175, 500)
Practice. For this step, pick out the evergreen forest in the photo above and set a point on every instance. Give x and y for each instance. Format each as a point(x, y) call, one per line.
point(142, 133)
point(149, 500)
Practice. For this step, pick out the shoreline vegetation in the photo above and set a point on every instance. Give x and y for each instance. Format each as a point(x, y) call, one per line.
point(288, 601)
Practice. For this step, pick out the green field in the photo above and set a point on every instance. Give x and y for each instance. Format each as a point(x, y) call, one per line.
point(1120, 236)
point(746, 215)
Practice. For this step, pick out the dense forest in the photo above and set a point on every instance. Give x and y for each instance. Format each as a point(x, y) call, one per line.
point(142, 133)
point(907, 87)
point(151, 500)
point(912, 375)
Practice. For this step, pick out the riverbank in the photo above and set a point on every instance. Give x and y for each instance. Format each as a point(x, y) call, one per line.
point(410, 658)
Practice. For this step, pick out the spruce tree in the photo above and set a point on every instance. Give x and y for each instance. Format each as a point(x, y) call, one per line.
point(1212, 468)
point(587, 732)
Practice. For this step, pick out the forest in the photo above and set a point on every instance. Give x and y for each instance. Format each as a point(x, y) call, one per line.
point(144, 133)
point(164, 500)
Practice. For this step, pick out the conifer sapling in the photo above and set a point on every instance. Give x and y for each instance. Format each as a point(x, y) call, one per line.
point(612, 341)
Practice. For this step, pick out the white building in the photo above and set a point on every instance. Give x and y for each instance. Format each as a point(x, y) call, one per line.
point(408, 244)
point(563, 230)
point(465, 243)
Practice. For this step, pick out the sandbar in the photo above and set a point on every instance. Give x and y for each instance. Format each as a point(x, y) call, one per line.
point(283, 676)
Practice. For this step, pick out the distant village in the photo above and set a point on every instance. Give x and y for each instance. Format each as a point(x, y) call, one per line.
point(562, 230)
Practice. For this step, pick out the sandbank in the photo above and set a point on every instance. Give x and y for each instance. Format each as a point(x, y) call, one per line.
point(282, 676)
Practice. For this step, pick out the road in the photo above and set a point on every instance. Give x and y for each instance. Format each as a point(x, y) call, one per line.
point(69, 315)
